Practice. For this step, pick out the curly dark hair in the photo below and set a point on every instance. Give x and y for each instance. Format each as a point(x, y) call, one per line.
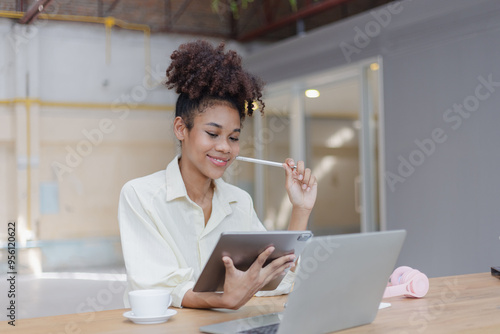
point(204, 75)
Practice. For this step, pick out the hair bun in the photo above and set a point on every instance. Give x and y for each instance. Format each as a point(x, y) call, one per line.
point(200, 70)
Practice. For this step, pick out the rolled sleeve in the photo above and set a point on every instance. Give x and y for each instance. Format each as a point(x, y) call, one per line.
point(179, 292)
point(150, 259)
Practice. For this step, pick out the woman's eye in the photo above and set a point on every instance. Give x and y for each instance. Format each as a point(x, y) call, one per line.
point(213, 135)
point(234, 138)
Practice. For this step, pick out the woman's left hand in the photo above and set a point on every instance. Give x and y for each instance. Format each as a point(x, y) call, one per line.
point(300, 185)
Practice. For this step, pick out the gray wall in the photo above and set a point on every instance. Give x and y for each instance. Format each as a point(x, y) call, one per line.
point(436, 57)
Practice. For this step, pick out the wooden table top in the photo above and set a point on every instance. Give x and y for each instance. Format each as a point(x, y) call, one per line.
point(466, 303)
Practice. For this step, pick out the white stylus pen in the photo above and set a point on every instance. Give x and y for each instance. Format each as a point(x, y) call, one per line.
point(262, 162)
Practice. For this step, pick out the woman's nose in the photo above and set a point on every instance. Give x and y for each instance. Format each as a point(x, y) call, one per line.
point(223, 146)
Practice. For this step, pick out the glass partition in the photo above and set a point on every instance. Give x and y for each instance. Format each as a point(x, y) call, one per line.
point(332, 136)
point(337, 129)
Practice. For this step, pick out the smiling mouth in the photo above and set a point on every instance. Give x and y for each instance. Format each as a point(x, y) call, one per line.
point(218, 161)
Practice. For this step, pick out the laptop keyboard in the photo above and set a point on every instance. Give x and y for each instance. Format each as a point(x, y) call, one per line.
point(268, 329)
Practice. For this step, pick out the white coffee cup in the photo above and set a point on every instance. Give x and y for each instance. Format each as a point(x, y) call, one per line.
point(149, 303)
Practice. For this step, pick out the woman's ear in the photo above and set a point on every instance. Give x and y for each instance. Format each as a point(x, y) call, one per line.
point(180, 129)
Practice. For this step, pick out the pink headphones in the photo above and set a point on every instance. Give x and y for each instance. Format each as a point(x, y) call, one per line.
point(408, 282)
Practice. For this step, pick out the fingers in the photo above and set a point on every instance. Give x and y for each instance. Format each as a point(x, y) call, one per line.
point(276, 263)
point(278, 266)
point(309, 180)
point(301, 174)
point(228, 263)
point(290, 163)
point(261, 259)
point(300, 170)
point(273, 269)
point(240, 286)
point(285, 260)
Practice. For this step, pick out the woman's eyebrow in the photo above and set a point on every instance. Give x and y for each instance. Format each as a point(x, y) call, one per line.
point(214, 124)
point(220, 126)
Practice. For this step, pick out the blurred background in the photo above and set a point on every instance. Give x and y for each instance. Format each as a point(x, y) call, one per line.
point(393, 104)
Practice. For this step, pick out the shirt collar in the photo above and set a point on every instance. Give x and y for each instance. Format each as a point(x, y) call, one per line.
point(175, 184)
point(224, 195)
point(176, 187)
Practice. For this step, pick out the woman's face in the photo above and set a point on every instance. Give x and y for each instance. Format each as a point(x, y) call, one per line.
point(212, 143)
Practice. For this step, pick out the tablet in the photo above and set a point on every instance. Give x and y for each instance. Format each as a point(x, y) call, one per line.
point(244, 248)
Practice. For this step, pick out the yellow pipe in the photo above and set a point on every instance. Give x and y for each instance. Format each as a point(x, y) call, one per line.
point(19, 100)
point(28, 164)
point(107, 21)
point(147, 48)
point(80, 18)
point(85, 105)
point(11, 15)
point(88, 105)
point(25, 100)
point(28, 102)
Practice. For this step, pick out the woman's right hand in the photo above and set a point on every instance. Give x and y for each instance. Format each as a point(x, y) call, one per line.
point(240, 286)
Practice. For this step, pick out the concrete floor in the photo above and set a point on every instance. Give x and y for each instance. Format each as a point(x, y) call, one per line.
point(56, 293)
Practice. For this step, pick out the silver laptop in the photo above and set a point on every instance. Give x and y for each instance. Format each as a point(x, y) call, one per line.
point(339, 284)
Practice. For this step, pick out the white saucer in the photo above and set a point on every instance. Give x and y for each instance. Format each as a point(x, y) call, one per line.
point(149, 320)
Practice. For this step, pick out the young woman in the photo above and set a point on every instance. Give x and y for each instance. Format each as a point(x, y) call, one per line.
point(171, 220)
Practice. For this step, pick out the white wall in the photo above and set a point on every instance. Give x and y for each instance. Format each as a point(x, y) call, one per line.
point(449, 198)
point(433, 54)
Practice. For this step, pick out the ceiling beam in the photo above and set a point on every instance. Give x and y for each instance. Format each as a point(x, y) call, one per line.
point(194, 32)
point(31, 14)
point(251, 13)
point(19, 5)
point(180, 11)
point(270, 9)
point(111, 7)
point(100, 8)
point(308, 10)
